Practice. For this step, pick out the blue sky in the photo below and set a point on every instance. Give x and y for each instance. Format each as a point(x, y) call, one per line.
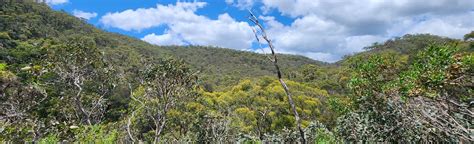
point(102, 7)
point(319, 29)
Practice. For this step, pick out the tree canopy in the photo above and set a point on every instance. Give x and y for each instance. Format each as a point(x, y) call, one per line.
point(62, 80)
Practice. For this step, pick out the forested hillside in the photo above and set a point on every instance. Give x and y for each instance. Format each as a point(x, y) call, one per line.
point(33, 21)
point(63, 80)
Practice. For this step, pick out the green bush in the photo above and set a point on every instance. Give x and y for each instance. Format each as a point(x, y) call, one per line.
point(95, 134)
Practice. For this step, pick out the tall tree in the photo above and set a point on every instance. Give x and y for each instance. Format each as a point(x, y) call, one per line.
point(163, 87)
point(83, 75)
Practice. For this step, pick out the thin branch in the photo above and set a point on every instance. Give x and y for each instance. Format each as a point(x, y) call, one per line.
point(130, 118)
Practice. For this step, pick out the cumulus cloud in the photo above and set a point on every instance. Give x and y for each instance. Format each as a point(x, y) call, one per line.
point(223, 32)
point(367, 9)
point(144, 18)
point(368, 16)
point(83, 14)
point(56, 2)
point(184, 26)
point(316, 38)
point(319, 29)
point(454, 26)
point(164, 39)
point(327, 30)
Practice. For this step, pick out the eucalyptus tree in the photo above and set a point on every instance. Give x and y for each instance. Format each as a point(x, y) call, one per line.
point(83, 79)
point(165, 85)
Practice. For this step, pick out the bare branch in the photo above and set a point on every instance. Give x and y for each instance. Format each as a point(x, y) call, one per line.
point(274, 60)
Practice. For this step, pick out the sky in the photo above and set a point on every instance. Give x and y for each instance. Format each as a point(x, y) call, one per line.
point(324, 30)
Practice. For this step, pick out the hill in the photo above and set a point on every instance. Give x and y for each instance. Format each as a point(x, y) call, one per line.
point(28, 20)
point(63, 80)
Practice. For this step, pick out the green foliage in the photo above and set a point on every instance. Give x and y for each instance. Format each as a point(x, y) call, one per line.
point(373, 76)
point(428, 72)
point(4, 35)
point(49, 139)
point(395, 100)
point(25, 51)
point(468, 62)
point(221, 67)
point(259, 107)
point(95, 134)
point(318, 133)
point(218, 67)
point(61, 79)
point(325, 77)
point(83, 75)
point(409, 44)
point(166, 88)
point(315, 132)
point(469, 36)
point(3, 66)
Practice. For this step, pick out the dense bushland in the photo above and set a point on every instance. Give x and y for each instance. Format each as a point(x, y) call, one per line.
point(64, 80)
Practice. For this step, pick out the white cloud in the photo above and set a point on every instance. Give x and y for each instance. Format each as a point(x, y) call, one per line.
point(361, 14)
point(353, 44)
point(165, 39)
point(454, 26)
point(327, 57)
point(367, 9)
point(327, 30)
point(142, 18)
point(56, 2)
point(241, 4)
point(83, 14)
point(223, 32)
point(320, 29)
point(184, 26)
point(316, 38)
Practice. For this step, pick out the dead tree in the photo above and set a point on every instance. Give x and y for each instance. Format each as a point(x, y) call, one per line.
point(261, 32)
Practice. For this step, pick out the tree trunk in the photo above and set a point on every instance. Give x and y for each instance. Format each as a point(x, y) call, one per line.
point(79, 106)
point(279, 75)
